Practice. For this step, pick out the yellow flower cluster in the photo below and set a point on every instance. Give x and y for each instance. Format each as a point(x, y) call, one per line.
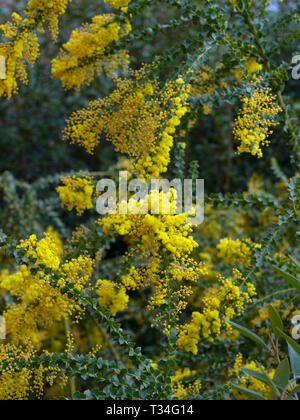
point(84, 54)
point(39, 304)
point(46, 252)
point(47, 11)
point(112, 296)
point(160, 245)
point(77, 271)
point(156, 231)
point(139, 118)
point(190, 334)
point(180, 391)
point(21, 49)
point(117, 4)
point(225, 300)
point(252, 126)
point(3, 274)
point(77, 191)
point(20, 384)
point(22, 46)
point(248, 381)
point(232, 251)
point(252, 66)
point(55, 237)
point(158, 158)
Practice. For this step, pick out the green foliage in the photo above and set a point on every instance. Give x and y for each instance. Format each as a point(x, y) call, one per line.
point(246, 199)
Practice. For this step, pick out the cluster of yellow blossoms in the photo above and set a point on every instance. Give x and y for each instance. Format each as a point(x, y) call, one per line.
point(232, 251)
point(139, 118)
point(39, 304)
point(84, 54)
point(160, 245)
point(252, 126)
point(111, 296)
point(56, 240)
point(225, 300)
point(248, 381)
point(22, 47)
point(45, 252)
point(41, 11)
point(117, 4)
point(20, 384)
point(180, 391)
point(252, 66)
point(155, 231)
point(158, 157)
point(77, 191)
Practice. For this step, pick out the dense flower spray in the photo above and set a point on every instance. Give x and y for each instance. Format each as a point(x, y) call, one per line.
point(117, 4)
point(38, 303)
point(248, 381)
point(45, 11)
point(225, 300)
point(161, 245)
point(253, 124)
point(139, 118)
point(180, 390)
point(77, 191)
point(231, 251)
point(18, 383)
point(44, 252)
point(21, 49)
point(151, 269)
point(22, 46)
point(112, 296)
point(85, 52)
point(251, 66)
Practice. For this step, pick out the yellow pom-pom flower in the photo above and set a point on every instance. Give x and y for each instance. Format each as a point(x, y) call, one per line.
point(111, 296)
point(253, 124)
point(77, 191)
